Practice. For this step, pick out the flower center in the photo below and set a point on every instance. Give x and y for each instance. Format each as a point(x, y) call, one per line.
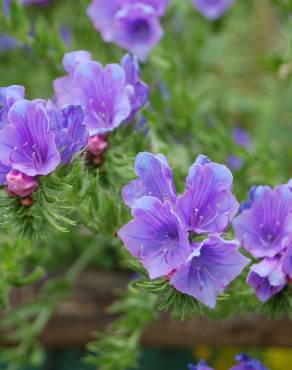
point(140, 29)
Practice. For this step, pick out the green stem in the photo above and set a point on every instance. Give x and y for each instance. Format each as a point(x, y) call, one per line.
point(84, 259)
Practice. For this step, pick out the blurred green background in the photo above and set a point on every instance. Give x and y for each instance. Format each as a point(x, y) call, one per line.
point(206, 78)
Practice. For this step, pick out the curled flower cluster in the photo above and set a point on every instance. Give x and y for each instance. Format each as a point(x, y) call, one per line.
point(179, 236)
point(35, 138)
point(212, 9)
point(264, 228)
point(244, 363)
point(132, 24)
point(110, 95)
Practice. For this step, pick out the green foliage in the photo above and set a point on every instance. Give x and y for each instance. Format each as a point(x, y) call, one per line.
point(13, 255)
point(117, 349)
point(97, 189)
point(280, 305)
point(237, 299)
point(180, 305)
point(24, 324)
point(47, 214)
point(205, 78)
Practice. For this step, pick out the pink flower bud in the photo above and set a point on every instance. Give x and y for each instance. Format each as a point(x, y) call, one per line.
point(21, 184)
point(97, 144)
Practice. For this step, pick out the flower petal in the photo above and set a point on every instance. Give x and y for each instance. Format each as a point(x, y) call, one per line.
point(155, 179)
point(205, 276)
point(265, 228)
point(156, 237)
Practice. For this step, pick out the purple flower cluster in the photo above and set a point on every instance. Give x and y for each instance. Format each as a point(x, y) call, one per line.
point(202, 365)
point(165, 228)
point(132, 24)
point(264, 227)
point(110, 95)
point(212, 9)
point(244, 363)
point(247, 363)
point(35, 138)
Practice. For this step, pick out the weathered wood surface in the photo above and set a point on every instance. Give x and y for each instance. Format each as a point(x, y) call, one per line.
point(85, 312)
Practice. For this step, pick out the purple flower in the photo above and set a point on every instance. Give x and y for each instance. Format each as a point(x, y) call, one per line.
point(251, 197)
point(6, 5)
point(102, 13)
point(287, 261)
point(137, 29)
point(265, 228)
point(70, 130)
point(21, 184)
point(131, 24)
point(72, 58)
point(289, 184)
point(140, 94)
point(26, 143)
point(212, 9)
point(7, 42)
point(65, 92)
point(111, 95)
point(211, 266)
point(246, 363)
point(165, 225)
point(3, 173)
point(66, 35)
point(208, 204)
point(155, 179)
point(202, 365)
point(267, 278)
point(241, 137)
point(8, 96)
point(235, 162)
point(101, 90)
point(105, 95)
point(156, 237)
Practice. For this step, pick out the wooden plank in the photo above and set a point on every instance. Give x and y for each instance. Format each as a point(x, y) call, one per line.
point(86, 311)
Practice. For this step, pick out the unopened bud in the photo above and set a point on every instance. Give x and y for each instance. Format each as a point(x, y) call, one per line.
point(20, 184)
point(97, 144)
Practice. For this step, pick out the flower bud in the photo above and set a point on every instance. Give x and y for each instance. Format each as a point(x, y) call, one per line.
point(21, 184)
point(97, 144)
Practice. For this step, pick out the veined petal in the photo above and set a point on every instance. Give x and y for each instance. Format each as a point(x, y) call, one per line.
point(8, 96)
point(265, 228)
point(156, 237)
point(205, 276)
point(72, 58)
point(27, 144)
point(137, 29)
point(106, 99)
point(155, 179)
point(208, 204)
point(267, 278)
